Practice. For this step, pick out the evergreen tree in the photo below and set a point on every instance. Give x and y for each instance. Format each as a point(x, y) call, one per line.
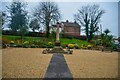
point(18, 18)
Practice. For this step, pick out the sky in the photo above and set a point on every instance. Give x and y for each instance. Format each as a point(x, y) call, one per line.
point(70, 7)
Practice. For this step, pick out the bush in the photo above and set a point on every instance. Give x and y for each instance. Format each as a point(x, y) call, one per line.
point(26, 43)
point(106, 40)
point(89, 46)
point(64, 45)
point(98, 42)
point(11, 42)
point(70, 46)
point(33, 46)
point(36, 42)
point(50, 45)
point(18, 45)
point(25, 46)
point(76, 46)
point(43, 45)
point(84, 46)
point(18, 41)
point(5, 41)
point(114, 47)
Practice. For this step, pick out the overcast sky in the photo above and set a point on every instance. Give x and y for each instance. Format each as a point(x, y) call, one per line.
point(69, 7)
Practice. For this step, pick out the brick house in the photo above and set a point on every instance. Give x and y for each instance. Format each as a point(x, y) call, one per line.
point(69, 28)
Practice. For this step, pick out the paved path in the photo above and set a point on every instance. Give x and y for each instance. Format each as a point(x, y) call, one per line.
point(58, 68)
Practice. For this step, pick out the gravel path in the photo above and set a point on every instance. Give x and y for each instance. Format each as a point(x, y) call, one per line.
point(24, 63)
point(31, 63)
point(93, 64)
point(0, 63)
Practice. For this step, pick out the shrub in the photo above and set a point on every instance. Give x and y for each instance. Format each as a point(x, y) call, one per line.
point(96, 42)
point(43, 45)
point(5, 41)
point(33, 46)
point(71, 46)
point(114, 47)
point(106, 40)
point(11, 42)
point(18, 41)
point(50, 45)
point(36, 42)
point(26, 43)
point(64, 45)
point(25, 46)
point(76, 46)
point(89, 46)
point(18, 45)
point(84, 46)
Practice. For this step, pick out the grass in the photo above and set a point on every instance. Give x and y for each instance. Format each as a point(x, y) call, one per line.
point(12, 38)
point(73, 41)
point(26, 38)
point(46, 40)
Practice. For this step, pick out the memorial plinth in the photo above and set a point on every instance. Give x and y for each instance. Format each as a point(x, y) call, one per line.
point(57, 48)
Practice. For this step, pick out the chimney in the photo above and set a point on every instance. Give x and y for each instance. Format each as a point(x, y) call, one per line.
point(75, 22)
point(67, 21)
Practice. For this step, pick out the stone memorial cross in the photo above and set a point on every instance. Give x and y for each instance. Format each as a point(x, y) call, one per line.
point(57, 33)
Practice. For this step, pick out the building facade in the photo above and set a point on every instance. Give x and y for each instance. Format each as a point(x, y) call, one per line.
point(69, 28)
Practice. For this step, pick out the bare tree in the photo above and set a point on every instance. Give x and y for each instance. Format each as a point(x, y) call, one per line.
point(89, 17)
point(47, 13)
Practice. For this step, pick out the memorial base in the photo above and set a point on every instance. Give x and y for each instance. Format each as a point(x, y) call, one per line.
point(57, 43)
point(57, 48)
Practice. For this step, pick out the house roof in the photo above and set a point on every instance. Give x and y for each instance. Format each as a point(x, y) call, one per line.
point(69, 24)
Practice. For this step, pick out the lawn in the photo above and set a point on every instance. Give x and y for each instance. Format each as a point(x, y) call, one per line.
point(43, 40)
point(13, 38)
point(73, 41)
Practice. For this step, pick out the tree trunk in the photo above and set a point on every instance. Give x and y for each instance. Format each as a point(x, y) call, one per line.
point(47, 32)
point(33, 30)
point(87, 26)
point(22, 38)
point(87, 31)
